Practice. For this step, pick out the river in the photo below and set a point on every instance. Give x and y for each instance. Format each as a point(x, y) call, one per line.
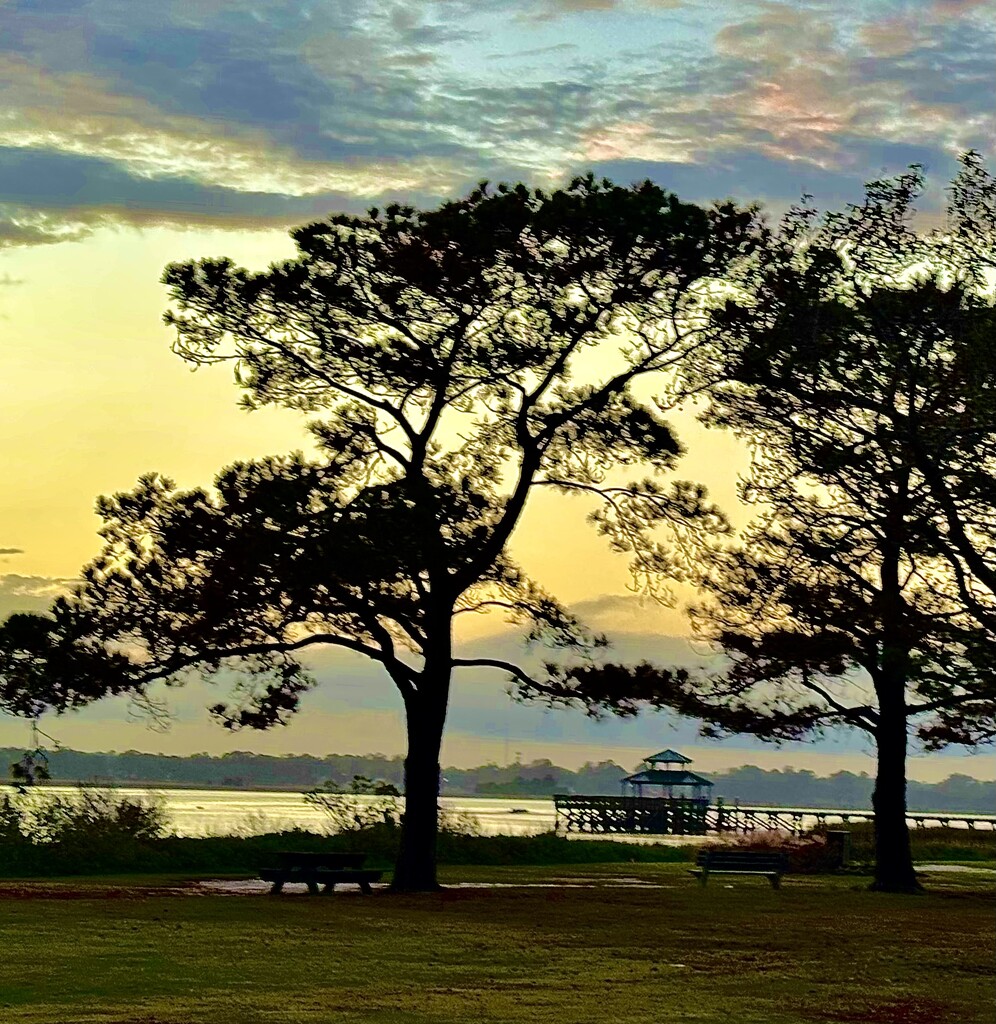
point(205, 812)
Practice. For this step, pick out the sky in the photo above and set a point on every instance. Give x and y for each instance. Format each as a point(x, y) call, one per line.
point(133, 134)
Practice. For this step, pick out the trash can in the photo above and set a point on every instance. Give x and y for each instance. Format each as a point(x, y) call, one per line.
point(839, 848)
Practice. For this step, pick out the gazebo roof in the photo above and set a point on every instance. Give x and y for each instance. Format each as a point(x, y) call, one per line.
point(658, 777)
point(668, 756)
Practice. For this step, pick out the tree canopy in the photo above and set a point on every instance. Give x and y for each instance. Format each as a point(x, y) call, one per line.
point(861, 367)
point(453, 361)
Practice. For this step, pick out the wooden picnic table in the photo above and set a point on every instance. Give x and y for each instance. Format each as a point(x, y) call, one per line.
point(316, 869)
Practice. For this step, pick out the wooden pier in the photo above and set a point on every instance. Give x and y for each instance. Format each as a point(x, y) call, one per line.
point(595, 815)
point(631, 815)
point(738, 818)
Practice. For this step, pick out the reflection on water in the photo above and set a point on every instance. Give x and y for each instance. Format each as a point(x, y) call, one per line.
point(201, 812)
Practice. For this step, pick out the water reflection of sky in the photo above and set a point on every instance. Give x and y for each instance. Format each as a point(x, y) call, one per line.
point(200, 812)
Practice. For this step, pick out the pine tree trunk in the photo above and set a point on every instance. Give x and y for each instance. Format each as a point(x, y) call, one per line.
point(893, 856)
point(415, 870)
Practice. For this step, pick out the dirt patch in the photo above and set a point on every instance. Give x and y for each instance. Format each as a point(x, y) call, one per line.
point(255, 886)
point(563, 883)
point(69, 891)
point(42, 890)
point(236, 886)
point(955, 868)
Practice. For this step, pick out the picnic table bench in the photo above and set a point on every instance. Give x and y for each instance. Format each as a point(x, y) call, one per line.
point(315, 869)
point(741, 862)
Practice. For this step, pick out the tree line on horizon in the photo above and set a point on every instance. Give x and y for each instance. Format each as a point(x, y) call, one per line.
point(455, 362)
point(540, 778)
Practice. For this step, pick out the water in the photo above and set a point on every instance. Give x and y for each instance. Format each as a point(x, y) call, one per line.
point(205, 812)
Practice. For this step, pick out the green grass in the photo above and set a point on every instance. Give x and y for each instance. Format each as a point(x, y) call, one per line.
point(819, 950)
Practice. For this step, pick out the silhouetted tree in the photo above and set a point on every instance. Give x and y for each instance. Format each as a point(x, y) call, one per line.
point(456, 360)
point(862, 369)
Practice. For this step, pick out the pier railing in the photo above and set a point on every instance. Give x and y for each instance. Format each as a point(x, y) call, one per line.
point(630, 814)
point(663, 816)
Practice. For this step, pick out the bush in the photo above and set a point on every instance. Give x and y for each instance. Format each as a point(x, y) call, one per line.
point(345, 813)
point(90, 830)
point(808, 854)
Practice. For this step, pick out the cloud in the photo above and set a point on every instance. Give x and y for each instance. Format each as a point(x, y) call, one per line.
point(942, 9)
point(80, 114)
point(355, 708)
point(28, 593)
point(790, 97)
point(624, 614)
point(253, 115)
point(536, 52)
point(267, 97)
point(86, 190)
point(552, 10)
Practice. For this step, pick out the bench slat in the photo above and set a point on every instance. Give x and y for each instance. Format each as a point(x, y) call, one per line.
point(290, 859)
point(348, 876)
point(740, 857)
point(732, 871)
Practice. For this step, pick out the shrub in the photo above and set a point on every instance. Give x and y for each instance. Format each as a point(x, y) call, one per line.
point(378, 815)
point(808, 854)
point(345, 813)
point(91, 830)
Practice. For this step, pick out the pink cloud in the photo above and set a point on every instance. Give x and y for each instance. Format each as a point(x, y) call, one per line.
point(891, 37)
point(639, 140)
point(953, 8)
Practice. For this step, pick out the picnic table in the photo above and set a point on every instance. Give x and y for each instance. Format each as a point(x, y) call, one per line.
point(319, 869)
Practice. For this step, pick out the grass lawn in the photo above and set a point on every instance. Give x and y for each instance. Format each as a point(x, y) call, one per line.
point(571, 945)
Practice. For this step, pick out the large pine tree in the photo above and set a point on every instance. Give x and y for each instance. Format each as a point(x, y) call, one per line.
point(861, 367)
point(455, 361)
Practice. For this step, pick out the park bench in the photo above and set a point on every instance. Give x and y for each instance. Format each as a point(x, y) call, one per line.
point(741, 862)
point(315, 869)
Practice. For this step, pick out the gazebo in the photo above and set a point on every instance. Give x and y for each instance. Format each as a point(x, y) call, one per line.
point(665, 776)
point(663, 799)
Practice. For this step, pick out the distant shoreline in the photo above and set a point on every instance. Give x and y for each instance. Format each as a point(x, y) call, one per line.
point(222, 788)
point(247, 772)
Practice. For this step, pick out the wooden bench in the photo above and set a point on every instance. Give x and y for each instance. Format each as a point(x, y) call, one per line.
point(315, 869)
point(741, 862)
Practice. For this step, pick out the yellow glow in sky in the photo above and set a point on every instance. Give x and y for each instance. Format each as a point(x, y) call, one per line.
point(93, 397)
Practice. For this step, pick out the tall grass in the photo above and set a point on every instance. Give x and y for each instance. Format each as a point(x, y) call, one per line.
point(929, 844)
